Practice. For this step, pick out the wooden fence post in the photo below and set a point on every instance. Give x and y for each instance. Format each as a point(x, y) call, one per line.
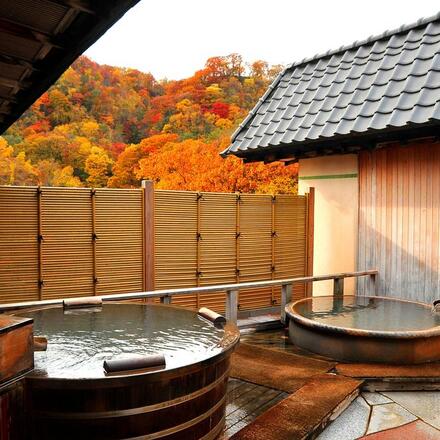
point(232, 305)
point(199, 198)
point(374, 284)
point(338, 287)
point(273, 234)
point(166, 299)
point(94, 238)
point(286, 297)
point(310, 233)
point(40, 242)
point(148, 230)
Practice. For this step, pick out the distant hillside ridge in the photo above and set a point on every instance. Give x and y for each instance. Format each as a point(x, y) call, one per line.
point(109, 126)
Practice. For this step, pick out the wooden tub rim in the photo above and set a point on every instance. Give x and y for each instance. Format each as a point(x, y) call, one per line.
point(292, 313)
point(228, 343)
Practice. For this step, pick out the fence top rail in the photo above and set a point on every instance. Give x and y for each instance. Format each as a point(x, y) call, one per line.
point(194, 290)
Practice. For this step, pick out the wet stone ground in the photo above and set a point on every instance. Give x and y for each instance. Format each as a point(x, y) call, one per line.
point(245, 402)
point(399, 415)
point(396, 415)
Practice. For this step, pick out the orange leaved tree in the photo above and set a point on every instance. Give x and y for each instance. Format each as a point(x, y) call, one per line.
point(195, 165)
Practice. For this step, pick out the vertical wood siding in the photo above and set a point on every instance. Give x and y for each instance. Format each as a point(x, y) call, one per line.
point(399, 217)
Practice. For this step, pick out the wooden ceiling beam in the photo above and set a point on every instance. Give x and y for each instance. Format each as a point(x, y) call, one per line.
point(7, 59)
point(10, 99)
point(16, 58)
point(8, 82)
point(79, 5)
point(5, 111)
point(28, 33)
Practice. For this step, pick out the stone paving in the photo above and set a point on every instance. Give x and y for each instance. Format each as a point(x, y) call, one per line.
point(391, 415)
point(399, 415)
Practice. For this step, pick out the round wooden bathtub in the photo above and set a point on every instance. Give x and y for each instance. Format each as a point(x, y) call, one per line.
point(69, 396)
point(366, 329)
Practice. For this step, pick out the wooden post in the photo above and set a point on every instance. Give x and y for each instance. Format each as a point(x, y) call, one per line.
point(310, 227)
point(237, 242)
point(198, 250)
point(338, 287)
point(374, 284)
point(272, 244)
point(166, 299)
point(148, 229)
point(237, 238)
point(232, 305)
point(286, 298)
point(94, 238)
point(40, 243)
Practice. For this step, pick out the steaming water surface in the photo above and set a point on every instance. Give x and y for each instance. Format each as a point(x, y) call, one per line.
point(369, 313)
point(80, 340)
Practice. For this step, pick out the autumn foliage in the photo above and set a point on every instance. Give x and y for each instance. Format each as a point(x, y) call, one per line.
point(107, 126)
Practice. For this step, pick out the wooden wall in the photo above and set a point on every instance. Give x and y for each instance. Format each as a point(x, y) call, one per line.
point(399, 219)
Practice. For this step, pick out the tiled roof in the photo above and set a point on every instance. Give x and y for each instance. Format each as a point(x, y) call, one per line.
point(387, 82)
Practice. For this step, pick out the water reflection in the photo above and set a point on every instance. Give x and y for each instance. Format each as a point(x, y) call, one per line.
point(367, 313)
point(79, 342)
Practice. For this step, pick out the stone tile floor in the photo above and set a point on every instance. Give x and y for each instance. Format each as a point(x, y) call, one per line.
point(397, 415)
point(245, 402)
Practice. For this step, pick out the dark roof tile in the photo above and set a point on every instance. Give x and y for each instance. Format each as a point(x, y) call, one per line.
point(392, 80)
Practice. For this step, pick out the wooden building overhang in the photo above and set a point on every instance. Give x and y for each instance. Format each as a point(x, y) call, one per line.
point(39, 39)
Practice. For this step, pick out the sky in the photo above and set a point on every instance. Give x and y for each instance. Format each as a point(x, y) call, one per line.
point(173, 38)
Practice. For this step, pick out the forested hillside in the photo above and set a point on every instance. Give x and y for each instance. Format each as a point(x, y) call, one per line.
point(107, 126)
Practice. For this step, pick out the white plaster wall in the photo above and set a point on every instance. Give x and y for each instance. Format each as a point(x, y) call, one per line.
point(336, 216)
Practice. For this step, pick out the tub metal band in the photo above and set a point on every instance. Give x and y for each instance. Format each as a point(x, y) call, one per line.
point(216, 430)
point(132, 411)
point(182, 426)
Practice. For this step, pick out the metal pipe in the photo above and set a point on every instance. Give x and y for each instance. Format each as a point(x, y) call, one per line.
point(194, 290)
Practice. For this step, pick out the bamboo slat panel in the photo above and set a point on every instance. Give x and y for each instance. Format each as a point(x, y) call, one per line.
point(67, 262)
point(93, 243)
point(219, 256)
point(175, 250)
point(255, 249)
point(119, 259)
point(290, 238)
point(217, 245)
point(18, 244)
point(399, 220)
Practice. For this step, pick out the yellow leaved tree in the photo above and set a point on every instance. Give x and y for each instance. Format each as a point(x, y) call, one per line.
point(98, 167)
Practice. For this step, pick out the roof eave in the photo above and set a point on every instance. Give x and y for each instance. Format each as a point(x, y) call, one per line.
point(55, 66)
point(347, 144)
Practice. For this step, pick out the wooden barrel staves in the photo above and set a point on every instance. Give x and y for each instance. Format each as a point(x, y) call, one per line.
point(182, 403)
